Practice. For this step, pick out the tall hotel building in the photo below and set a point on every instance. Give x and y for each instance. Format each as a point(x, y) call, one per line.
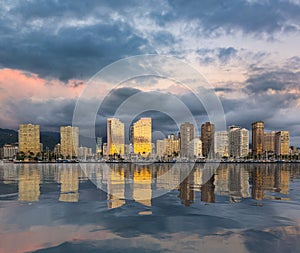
point(142, 136)
point(221, 144)
point(207, 138)
point(269, 142)
point(29, 138)
point(238, 142)
point(187, 134)
point(258, 138)
point(282, 143)
point(69, 140)
point(115, 137)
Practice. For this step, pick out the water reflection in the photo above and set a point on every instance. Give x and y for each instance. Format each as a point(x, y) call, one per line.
point(125, 182)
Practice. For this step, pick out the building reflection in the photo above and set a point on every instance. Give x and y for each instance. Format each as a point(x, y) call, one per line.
point(115, 188)
point(208, 191)
point(122, 183)
point(186, 191)
point(142, 191)
point(69, 184)
point(29, 184)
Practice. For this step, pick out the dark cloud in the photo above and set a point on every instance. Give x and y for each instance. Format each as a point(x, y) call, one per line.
point(226, 53)
point(274, 80)
point(250, 17)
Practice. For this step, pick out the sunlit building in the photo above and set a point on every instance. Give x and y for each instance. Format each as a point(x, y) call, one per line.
point(172, 145)
point(69, 140)
point(282, 143)
point(187, 134)
point(207, 138)
point(258, 138)
point(238, 142)
point(115, 137)
point(142, 136)
point(29, 138)
point(221, 144)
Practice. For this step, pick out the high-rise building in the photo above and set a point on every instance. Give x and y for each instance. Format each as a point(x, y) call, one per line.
point(187, 134)
point(142, 136)
point(221, 144)
point(161, 148)
point(69, 141)
point(197, 147)
point(99, 144)
point(269, 141)
point(29, 138)
point(172, 145)
point(258, 138)
point(282, 143)
point(115, 136)
point(207, 138)
point(238, 142)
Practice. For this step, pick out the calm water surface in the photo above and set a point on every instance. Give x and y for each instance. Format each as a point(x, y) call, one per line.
point(154, 208)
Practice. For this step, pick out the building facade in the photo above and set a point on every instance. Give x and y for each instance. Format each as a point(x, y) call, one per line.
point(10, 150)
point(29, 138)
point(269, 142)
point(221, 144)
point(115, 137)
point(238, 142)
point(142, 136)
point(187, 134)
point(258, 138)
point(282, 143)
point(69, 141)
point(207, 138)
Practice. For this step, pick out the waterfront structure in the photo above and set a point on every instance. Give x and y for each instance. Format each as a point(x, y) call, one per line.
point(187, 134)
point(69, 141)
point(238, 142)
point(258, 138)
point(10, 150)
point(29, 138)
point(161, 148)
point(172, 145)
point(142, 136)
point(282, 143)
point(115, 137)
point(85, 153)
point(221, 144)
point(197, 147)
point(99, 144)
point(207, 138)
point(269, 142)
point(57, 150)
point(105, 149)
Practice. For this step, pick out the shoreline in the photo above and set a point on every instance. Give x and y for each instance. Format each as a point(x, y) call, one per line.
point(151, 162)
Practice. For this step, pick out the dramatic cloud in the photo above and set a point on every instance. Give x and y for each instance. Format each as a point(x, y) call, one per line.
point(247, 49)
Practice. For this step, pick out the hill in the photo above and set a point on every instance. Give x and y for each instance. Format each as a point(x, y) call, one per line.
point(49, 139)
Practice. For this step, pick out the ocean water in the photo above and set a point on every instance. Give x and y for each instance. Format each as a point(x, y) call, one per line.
point(149, 208)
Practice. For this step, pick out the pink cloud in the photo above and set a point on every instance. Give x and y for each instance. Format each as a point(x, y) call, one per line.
point(15, 84)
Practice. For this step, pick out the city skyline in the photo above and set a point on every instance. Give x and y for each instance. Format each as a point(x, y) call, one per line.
point(233, 143)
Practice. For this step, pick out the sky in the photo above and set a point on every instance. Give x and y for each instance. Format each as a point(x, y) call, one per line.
point(247, 50)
